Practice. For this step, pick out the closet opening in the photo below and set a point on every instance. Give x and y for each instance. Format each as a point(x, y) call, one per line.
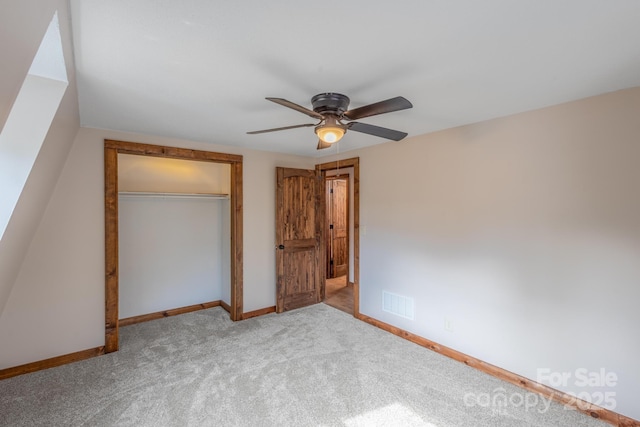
point(173, 228)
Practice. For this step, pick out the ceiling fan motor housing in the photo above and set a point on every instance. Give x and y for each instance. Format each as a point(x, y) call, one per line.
point(330, 103)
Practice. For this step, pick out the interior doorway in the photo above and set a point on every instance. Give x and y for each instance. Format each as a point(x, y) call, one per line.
point(338, 288)
point(340, 234)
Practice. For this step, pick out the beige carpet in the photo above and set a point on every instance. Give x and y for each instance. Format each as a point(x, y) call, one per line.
point(316, 366)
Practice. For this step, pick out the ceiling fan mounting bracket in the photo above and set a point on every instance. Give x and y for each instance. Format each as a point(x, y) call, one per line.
point(330, 103)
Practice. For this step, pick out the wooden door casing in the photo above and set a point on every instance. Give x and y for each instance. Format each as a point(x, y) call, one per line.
point(337, 226)
point(298, 221)
point(322, 169)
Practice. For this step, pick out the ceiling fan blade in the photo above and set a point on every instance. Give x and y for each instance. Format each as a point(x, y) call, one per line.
point(322, 145)
point(282, 128)
point(377, 131)
point(393, 104)
point(297, 107)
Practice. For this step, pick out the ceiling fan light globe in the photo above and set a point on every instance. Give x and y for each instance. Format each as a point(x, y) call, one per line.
point(330, 134)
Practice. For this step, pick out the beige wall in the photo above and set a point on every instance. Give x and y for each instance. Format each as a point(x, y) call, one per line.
point(61, 282)
point(523, 231)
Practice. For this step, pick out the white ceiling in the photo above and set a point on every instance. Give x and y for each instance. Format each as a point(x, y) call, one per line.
point(200, 69)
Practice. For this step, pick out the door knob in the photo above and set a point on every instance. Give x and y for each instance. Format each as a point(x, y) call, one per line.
point(280, 247)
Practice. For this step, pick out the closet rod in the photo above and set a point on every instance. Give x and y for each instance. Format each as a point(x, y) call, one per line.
point(173, 195)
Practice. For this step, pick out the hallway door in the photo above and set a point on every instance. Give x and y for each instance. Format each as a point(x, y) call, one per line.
point(337, 194)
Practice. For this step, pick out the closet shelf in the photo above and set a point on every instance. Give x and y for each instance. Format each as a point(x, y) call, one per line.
point(173, 195)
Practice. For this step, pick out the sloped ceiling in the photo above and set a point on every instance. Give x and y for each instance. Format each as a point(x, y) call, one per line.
point(200, 69)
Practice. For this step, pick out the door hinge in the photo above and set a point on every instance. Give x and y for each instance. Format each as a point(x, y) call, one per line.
point(331, 190)
point(330, 226)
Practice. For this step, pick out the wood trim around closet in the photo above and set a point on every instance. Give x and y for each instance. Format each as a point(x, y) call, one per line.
point(111, 150)
point(168, 313)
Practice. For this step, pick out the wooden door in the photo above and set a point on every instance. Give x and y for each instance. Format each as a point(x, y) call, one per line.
point(337, 227)
point(298, 232)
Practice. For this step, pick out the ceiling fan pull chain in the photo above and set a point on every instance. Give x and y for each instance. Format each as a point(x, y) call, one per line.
point(338, 158)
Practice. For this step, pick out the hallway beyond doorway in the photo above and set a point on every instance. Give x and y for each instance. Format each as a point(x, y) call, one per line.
point(339, 294)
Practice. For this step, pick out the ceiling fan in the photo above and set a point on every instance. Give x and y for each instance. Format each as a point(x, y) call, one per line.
point(331, 109)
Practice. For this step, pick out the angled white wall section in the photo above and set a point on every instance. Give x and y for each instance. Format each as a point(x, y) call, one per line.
point(49, 61)
point(30, 119)
point(23, 25)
